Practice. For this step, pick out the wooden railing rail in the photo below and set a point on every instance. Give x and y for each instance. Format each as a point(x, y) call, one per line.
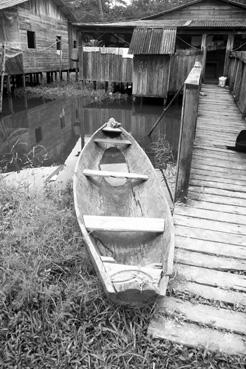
point(187, 130)
point(237, 78)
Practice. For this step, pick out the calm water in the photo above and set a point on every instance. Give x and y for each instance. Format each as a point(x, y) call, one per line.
point(45, 131)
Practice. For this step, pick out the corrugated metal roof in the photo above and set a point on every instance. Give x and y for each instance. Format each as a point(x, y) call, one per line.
point(162, 23)
point(171, 8)
point(153, 40)
point(218, 24)
point(167, 23)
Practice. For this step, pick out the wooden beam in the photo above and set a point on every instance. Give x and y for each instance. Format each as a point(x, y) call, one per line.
point(124, 224)
point(105, 173)
point(112, 141)
point(187, 130)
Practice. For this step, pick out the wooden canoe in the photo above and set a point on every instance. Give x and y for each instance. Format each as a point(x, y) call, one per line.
point(124, 217)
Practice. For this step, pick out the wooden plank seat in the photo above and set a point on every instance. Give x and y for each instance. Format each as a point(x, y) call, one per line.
point(112, 130)
point(123, 224)
point(112, 141)
point(105, 173)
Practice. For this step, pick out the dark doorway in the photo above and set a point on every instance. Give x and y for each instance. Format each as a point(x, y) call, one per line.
point(216, 49)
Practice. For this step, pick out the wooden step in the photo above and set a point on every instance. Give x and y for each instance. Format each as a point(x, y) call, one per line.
point(192, 334)
point(123, 224)
point(204, 314)
point(112, 141)
point(104, 173)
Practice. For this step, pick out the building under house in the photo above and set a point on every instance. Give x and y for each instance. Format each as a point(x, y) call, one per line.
point(166, 45)
point(37, 37)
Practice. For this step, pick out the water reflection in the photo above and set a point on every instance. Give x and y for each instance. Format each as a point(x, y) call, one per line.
point(136, 119)
point(52, 127)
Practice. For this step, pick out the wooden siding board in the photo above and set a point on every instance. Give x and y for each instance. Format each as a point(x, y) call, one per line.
point(150, 75)
point(40, 19)
point(183, 62)
point(106, 64)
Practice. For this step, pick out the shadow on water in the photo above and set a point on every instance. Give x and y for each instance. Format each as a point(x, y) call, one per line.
point(43, 132)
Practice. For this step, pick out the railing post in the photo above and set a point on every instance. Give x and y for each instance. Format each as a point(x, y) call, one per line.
point(187, 131)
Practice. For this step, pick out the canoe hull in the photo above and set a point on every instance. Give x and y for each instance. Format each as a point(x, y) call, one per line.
point(134, 262)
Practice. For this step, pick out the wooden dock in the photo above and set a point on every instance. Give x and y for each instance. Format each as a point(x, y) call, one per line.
point(207, 302)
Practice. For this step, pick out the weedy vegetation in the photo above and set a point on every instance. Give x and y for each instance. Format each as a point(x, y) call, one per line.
point(53, 313)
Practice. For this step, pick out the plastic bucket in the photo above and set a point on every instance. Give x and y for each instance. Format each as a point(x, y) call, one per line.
point(222, 81)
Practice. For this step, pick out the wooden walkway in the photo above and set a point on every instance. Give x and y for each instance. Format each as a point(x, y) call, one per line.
point(207, 302)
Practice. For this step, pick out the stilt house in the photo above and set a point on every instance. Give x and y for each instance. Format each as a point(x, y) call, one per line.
point(166, 45)
point(37, 36)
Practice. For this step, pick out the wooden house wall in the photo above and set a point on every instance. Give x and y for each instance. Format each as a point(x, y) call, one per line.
point(47, 21)
point(9, 32)
point(207, 10)
point(105, 64)
point(151, 75)
point(181, 65)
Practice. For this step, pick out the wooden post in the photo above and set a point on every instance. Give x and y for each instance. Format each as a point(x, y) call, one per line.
point(229, 47)
point(80, 60)
point(2, 77)
point(8, 84)
point(187, 131)
point(24, 88)
point(204, 53)
point(10, 99)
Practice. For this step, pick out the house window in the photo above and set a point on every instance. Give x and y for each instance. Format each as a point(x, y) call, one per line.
point(38, 134)
point(75, 44)
point(31, 40)
point(58, 42)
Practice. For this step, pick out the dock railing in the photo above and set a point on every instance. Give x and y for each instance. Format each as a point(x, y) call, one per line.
point(237, 78)
point(187, 130)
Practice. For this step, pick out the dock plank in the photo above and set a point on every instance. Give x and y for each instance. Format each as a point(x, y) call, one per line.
point(209, 247)
point(211, 293)
point(210, 235)
point(214, 214)
point(231, 228)
point(211, 277)
point(210, 229)
point(203, 260)
point(192, 335)
point(204, 314)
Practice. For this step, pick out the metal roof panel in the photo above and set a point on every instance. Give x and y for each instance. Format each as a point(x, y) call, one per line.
point(153, 40)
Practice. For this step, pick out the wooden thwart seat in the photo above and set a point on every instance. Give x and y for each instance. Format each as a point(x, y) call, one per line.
point(112, 130)
point(123, 224)
point(104, 173)
point(112, 141)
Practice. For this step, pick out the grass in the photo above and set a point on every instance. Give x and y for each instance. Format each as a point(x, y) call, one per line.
point(67, 89)
point(53, 313)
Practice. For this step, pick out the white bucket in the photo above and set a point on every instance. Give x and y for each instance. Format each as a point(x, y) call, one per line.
point(222, 81)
